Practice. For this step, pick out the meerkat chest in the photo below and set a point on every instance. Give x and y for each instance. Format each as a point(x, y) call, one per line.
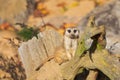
point(70, 43)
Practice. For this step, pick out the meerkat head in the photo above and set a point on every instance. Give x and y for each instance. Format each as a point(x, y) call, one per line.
point(72, 33)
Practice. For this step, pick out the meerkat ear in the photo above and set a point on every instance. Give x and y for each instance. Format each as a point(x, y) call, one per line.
point(78, 30)
point(64, 31)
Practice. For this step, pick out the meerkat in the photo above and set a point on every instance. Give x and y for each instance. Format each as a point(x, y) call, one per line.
point(67, 50)
point(71, 37)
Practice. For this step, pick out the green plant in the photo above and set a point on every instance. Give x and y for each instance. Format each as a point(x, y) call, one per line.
point(27, 33)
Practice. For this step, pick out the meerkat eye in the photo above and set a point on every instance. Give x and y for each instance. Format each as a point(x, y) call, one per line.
point(75, 31)
point(69, 31)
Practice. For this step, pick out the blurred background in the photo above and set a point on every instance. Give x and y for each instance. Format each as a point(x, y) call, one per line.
point(23, 19)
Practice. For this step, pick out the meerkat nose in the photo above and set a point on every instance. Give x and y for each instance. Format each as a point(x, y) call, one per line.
point(77, 36)
point(72, 36)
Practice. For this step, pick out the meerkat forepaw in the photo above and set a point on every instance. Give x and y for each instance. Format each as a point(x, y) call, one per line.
point(73, 55)
point(69, 56)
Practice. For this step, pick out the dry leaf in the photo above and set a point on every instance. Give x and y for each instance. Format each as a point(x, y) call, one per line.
point(74, 4)
point(40, 6)
point(4, 26)
point(41, 10)
point(61, 31)
point(101, 2)
point(63, 7)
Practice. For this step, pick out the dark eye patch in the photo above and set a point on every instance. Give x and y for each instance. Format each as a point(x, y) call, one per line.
point(75, 31)
point(69, 31)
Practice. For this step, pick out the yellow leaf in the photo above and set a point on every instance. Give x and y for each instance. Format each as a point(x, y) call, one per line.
point(101, 2)
point(74, 4)
point(61, 31)
point(40, 6)
point(45, 12)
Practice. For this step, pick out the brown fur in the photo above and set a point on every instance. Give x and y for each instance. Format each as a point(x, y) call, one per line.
point(60, 55)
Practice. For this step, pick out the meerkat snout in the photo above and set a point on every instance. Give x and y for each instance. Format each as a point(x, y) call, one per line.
point(71, 37)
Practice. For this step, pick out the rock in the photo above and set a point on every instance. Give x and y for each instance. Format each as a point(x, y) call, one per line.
point(5, 47)
point(34, 52)
point(18, 10)
point(108, 15)
point(50, 71)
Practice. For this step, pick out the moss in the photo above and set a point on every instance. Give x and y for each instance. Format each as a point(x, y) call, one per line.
point(27, 33)
point(80, 70)
point(81, 47)
point(99, 47)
